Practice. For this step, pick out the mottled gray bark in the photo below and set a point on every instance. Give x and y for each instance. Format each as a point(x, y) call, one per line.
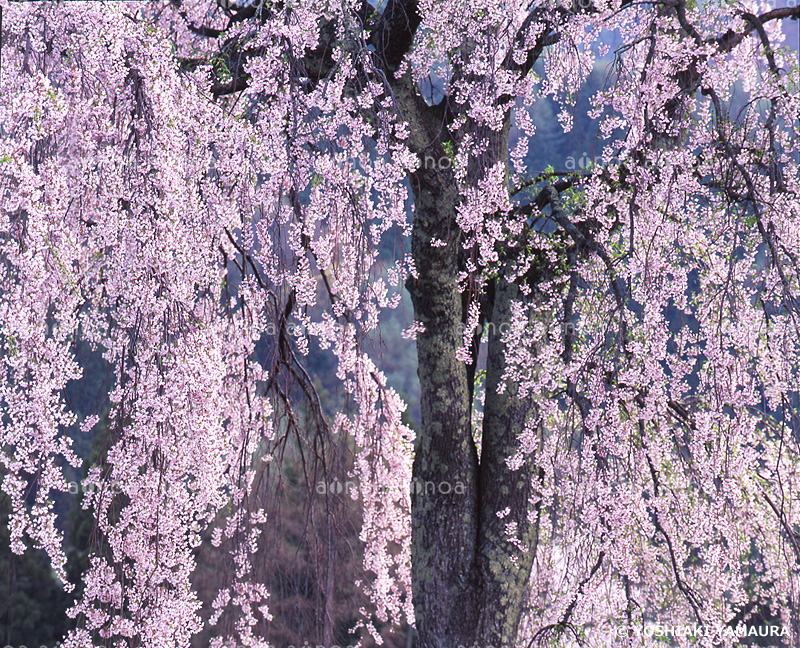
point(468, 576)
point(444, 517)
point(503, 565)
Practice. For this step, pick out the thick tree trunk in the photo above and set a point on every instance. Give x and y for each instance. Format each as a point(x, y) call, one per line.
point(444, 492)
point(505, 557)
point(468, 575)
point(444, 497)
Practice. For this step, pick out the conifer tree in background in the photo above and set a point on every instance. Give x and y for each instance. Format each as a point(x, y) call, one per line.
point(608, 354)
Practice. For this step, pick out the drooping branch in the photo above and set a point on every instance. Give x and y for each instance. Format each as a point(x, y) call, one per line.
point(731, 39)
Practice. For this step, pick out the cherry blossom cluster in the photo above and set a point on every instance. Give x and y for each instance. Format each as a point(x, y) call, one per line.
point(171, 222)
